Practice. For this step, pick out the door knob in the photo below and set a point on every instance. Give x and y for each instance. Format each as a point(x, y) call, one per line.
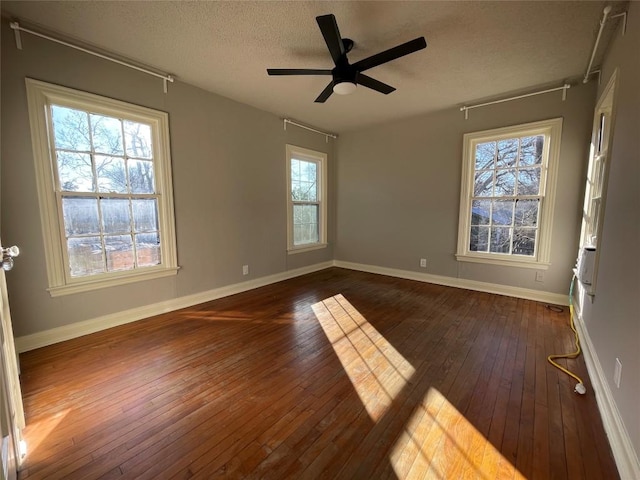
point(8, 254)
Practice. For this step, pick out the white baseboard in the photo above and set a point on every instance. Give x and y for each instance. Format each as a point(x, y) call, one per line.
point(623, 452)
point(509, 291)
point(67, 332)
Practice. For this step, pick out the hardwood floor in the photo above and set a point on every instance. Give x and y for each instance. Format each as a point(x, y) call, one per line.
point(337, 374)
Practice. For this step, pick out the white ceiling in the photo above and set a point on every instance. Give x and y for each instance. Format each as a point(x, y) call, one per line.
point(475, 50)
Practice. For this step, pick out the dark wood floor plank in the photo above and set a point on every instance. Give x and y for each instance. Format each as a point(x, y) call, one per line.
point(335, 374)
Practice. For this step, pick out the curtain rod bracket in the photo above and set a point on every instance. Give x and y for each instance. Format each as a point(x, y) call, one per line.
point(16, 31)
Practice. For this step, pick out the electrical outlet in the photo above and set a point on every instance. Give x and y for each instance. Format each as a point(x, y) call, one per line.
point(245, 270)
point(423, 262)
point(617, 373)
point(539, 276)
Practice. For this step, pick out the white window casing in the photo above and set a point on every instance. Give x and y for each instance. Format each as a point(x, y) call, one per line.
point(319, 159)
point(551, 130)
point(41, 96)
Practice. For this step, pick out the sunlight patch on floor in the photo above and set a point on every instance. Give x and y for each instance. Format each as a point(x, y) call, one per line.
point(439, 442)
point(376, 369)
point(37, 432)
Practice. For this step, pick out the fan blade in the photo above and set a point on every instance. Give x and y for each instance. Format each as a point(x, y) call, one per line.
point(373, 84)
point(391, 54)
point(326, 93)
point(331, 34)
point(297, 71)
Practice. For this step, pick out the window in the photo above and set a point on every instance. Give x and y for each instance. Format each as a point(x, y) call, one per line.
point(306, 199)
point(104, 187)
point(507, 194)
point(597, 173)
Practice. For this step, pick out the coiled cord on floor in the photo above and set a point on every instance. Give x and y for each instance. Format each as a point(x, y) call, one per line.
point(580, 388)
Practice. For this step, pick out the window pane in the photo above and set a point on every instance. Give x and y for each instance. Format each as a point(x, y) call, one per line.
point(80, 216)
point(70, 129)
point(111, 174)
point(480, 212)
point(531, 150)
point(505, 183)
point(116, 217)
point(148, 249)
point(507, 152)
point(141, 176)
point(526, 213)
point(75, 172)
point(524, 241)
point(107, 134)
point(145, 215)
point(137, 137)
point(119, 252)
point(502, 213)
point(485, 154)
point(479, 241)
point(85, 256)
point(483, 185)
point(529, 181)
point(500, 239)
point(304, 176)
point(305, 234)
point(305, 224)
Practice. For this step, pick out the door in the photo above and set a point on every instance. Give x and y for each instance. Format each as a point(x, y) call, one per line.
point(11, 412)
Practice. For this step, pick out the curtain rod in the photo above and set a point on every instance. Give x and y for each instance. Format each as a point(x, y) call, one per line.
point(326, 134)
point(564, 89)
point(605, 17)
point(17, 29)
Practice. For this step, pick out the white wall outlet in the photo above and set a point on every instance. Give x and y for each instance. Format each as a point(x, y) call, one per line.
point(539, 276)
point(617, 373)
point(423, 262)
point(245, 269)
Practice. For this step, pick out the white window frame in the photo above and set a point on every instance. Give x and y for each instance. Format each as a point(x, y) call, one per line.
point(40, 96)
point(595, 194)
point(552, 131)
point(320, 158)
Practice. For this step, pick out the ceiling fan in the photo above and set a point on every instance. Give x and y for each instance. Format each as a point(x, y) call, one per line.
point(345, 75)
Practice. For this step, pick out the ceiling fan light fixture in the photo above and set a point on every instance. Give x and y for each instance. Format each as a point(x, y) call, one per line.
point(344, 88)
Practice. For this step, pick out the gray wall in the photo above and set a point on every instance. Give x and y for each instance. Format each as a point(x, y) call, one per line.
point(399, 190)
point(229, 186)
point(613, 319)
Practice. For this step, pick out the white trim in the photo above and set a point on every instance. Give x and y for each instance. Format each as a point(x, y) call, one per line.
point(606, 105)
point(67, 332)
point(509, 291)
point(494, 259)
point(623, 452)
point(320, 158)
point(552, 130)
point(39, 96)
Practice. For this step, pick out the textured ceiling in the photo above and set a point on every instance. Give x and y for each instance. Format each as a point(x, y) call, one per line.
point(476, 50)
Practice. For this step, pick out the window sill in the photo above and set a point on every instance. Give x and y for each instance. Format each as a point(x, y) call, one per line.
point(507, 262)
point(89, 285)
point(306, 248)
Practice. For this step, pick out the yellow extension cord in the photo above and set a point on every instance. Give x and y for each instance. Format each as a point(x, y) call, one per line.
point(580, 388)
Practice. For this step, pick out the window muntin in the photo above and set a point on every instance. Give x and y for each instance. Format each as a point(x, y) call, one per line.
point(505, 201)
point(104, 185)
point(505, 195)
point(106, 191)
point(306, 171)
